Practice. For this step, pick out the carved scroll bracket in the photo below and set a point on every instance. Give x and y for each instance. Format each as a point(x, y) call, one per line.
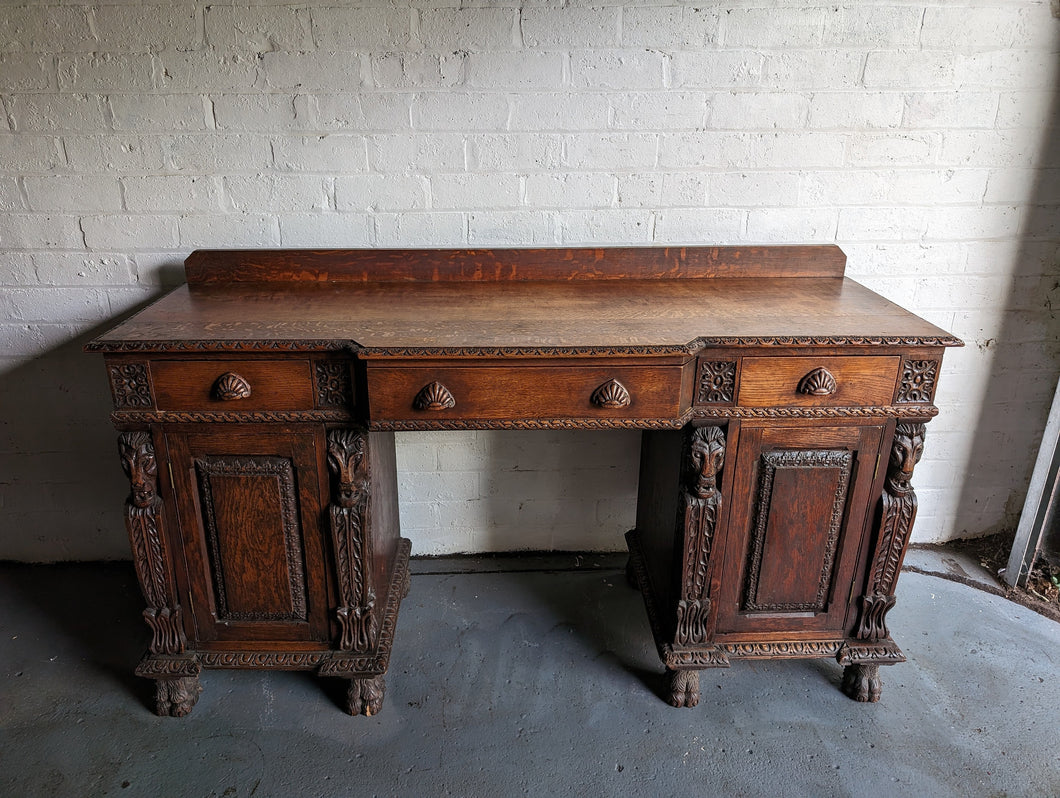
point(896, 516)
point(355, 614)
point(702, 502)
point(143, 511)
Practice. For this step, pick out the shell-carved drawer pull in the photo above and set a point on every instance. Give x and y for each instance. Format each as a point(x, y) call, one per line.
point(434, 397)
point(818, 382)
point(611, 396)
point(231, 386)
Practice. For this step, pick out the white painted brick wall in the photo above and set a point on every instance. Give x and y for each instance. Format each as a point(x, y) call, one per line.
point(917, 134)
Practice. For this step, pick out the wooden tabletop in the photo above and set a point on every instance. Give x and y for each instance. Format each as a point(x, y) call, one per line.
point(631, 316)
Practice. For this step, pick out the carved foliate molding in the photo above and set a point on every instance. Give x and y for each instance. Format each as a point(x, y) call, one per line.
point(918, 381)
point(143, 512)
point(333, 383)
point(691, 626)
point(130, 385)
point(896, 516)
point(154, 666)
point(717, 382)
point(282, 470)
point(771, 461)
point(348, 460)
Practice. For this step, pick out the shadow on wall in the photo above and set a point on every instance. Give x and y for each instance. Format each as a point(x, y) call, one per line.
point(1026, 353)
point(61, 485)
point(559, 490)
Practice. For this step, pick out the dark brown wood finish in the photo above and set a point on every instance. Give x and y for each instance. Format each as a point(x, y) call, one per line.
point(510, 265)
point(783, 407)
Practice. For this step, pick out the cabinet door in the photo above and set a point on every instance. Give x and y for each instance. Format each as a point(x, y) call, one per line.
point(800, 499)
point(249, 509)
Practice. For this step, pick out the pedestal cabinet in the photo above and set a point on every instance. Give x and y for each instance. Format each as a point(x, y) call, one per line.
point(783, 409)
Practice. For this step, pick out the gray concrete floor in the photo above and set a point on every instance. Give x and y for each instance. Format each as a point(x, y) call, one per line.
point(527, 681)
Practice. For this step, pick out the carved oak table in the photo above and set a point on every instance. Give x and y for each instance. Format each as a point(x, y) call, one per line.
point(783, 409)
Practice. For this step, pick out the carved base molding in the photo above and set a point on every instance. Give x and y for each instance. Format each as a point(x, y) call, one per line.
point(883, 652)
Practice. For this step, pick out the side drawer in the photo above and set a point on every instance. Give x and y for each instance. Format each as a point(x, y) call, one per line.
point(818, 381)
point(218, 384)
point(488, 392)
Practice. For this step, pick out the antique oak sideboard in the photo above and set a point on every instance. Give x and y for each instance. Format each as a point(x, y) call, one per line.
point(783, 409)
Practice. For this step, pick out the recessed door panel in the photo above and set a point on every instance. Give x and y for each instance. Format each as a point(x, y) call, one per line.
point(249, 507)
point(800, 497)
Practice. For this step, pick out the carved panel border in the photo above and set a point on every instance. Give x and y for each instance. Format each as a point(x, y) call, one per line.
point(918, 381)
point(334, 387)
point(282, 470)
point(770, 463)
point(130, 385)
point(717, 381)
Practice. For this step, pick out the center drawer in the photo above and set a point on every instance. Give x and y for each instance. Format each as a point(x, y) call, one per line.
point(507, 391)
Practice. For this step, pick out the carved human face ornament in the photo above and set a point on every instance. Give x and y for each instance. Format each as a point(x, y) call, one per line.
point(138, 461)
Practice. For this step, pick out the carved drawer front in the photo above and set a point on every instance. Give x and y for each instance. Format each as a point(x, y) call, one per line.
point(235, 385)
point(526, 392)
point(818, 381)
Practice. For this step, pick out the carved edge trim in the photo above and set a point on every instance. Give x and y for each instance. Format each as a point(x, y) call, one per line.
point(330, 663)
point(232, 345)
point(691, 348)
point(536, 423)
point(119, 417)
point(331, 345)
point(889, 411)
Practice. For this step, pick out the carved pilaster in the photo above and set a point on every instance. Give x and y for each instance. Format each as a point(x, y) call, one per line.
point(897, 513)
point(348, 460)
point(143, 511)
point(702, 502)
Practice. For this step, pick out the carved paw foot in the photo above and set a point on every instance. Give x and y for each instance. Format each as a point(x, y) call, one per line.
point(862, 682)
point(365, 696)
point(684, 688)
point(176, 697)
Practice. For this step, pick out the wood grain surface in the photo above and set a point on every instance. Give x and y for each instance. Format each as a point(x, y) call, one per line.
point(510, 265)
point(638, 316)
